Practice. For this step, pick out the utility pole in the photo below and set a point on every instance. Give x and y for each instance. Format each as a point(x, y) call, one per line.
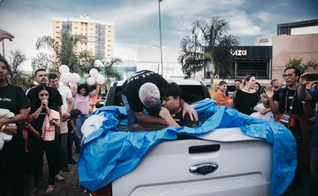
point(160, 37)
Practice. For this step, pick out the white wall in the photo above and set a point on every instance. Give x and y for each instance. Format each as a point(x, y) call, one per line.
point(304, 30)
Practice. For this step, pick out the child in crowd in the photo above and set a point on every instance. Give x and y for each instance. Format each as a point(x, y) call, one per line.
point(263, 109)
point(73, 135)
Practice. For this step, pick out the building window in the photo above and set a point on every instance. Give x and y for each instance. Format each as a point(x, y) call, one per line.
point(264, 40)
point(91, 28)
point(57, 32)
point(108, 31)
point(76, 28)
point(108, 40)
point(57, 27)
point(57, 22)
point(76, 22)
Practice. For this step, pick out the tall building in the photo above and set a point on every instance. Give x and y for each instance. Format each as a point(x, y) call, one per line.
point(99, 34)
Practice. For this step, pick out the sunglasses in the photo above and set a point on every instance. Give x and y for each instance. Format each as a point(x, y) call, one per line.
point(287, 75)
point(41, 95)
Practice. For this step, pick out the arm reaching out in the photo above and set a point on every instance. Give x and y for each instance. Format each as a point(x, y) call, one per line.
point(5, 35)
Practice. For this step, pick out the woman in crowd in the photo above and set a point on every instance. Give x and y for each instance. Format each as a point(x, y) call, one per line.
point(12, 99)
point(222, 97)
point(44, 115)
point(81, 100)
point(257, 88)
point(246, 98)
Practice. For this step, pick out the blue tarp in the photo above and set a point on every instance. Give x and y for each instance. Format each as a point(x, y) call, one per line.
point(108, 154)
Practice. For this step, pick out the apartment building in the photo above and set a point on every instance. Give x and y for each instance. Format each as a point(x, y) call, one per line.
point(98, 35)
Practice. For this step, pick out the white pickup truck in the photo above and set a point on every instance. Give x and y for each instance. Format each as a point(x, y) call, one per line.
point(223, 162)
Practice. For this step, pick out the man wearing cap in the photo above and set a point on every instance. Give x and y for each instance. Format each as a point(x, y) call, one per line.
point(141, 91)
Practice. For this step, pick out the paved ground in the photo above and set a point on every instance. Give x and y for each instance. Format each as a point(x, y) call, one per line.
point(69, 187)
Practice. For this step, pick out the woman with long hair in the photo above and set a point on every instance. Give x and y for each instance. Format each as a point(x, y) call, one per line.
point(246, 98)
point(13, 100)
point(222, 97)
point(48, 122)
point(81, 101)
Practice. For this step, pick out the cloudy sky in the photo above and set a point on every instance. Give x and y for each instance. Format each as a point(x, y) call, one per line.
point(137, 22)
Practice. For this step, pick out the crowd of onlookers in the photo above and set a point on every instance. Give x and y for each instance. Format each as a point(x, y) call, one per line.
point(46, 119)
point(289, 103)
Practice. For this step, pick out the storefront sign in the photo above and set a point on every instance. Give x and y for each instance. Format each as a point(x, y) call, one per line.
point(239, 52)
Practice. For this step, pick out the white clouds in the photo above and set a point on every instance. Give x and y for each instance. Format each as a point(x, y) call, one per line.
point(264, 16)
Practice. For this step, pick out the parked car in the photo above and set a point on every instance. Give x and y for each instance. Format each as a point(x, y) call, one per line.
point(221, 163)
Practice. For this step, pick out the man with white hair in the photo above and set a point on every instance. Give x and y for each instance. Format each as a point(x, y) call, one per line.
point(141, 91)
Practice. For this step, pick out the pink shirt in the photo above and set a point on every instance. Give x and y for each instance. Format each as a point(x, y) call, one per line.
point(82, 102)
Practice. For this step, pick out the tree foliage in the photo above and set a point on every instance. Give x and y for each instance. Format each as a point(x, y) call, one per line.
point(303, 67)
point(65, 52)
point(209, 42)
point(17, 76)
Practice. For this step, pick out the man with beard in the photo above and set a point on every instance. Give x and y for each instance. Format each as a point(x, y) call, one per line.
point(291, 113)
point(275, 84)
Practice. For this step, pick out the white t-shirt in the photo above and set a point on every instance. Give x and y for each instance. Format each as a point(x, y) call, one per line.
point(65, 93)
point(268, 115)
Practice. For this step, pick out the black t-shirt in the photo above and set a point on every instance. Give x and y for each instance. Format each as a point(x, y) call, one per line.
point(40, 119)
point(56, 97)
point(245, 102)
point(13, 99)
point(186, 121)
point(280, 97)
point(133, 83)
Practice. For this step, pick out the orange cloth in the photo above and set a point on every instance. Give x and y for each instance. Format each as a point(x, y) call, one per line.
point(94, 100)
point(212, 94)
point(223, 100)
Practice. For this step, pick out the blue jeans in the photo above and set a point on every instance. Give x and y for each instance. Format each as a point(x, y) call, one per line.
point(314, 171)
point(79, 122)
point(132, 119)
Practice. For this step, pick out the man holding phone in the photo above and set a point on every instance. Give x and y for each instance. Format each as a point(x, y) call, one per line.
point(305, 96)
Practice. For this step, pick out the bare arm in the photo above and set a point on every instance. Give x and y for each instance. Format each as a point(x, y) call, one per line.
point(70, 104)
point(164, 113)
point(17, 118)
point(31, 129)
point(188, 109)
point(144, 118)
point(302, 92)
point(74, 129)
point(5, 35)
point(36, 114)
point(96, 91)
point(272, 103)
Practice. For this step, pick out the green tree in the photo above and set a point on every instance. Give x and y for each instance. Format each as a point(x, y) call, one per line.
point(303, 67)
point(209, 43)
point(64, 49)
point(17, 76)
point(42, 61)
point(108, 71)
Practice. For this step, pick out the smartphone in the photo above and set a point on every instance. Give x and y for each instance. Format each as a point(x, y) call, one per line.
point(312, 77)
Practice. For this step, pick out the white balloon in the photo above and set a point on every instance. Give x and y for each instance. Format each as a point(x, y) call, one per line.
point(93, 72)
point(64, 69)
point(66, 77)
point(91, 81)
point(75, 77)
point(100, 79)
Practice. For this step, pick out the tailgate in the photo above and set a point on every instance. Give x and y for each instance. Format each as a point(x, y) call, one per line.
point(243, 168)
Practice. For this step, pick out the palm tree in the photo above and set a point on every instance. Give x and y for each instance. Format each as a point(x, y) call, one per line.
point(108, 71)
point(17, 76)
point(211, 39)
point(64, 49)
point(310, 65)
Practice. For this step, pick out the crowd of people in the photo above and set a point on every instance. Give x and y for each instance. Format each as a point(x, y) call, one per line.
point(48, 118)
point(290, 104)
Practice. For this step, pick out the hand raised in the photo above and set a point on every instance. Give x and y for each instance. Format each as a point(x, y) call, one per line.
point(5, 35)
